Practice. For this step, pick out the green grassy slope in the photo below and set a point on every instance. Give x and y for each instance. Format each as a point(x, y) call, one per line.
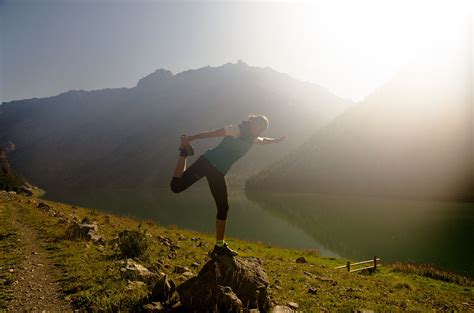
point(91, 278)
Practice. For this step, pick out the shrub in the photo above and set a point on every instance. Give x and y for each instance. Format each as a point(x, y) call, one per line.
point(133, 243)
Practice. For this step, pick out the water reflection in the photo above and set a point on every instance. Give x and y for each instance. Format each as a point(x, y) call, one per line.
point(397, 230)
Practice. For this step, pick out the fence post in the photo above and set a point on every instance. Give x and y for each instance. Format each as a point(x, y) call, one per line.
point(348, 266)
point(375, 262)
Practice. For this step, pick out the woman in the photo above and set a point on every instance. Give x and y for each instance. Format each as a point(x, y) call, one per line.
point(216, 162)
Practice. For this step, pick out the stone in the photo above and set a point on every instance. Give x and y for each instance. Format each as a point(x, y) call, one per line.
point(84, 231)
point(164, 291)
point(293, 305)
point(327, 279)
point(281, 309)
point(135, 271)
point(154, 307)
point(43, 206)
point(301, 259)
point(181, 269)
point(312, 290)
point(134, 284)
point(188, 274)
point(227, 282)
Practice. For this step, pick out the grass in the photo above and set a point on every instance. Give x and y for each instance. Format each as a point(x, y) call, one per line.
point(91, 279)
point(430, 271)
point(10, 254)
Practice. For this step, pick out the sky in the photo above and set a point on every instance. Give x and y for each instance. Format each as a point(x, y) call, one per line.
point(348, 47)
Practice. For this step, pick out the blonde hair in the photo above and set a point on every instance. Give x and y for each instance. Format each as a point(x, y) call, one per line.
point(260, 119)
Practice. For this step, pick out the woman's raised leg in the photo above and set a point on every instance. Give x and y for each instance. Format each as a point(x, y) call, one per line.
point(180, 167)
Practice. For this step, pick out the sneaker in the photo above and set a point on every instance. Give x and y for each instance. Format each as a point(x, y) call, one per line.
point(185, 150)
point(224, 250)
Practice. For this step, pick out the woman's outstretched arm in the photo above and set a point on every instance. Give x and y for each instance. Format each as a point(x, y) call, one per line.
point(207, 134)
point(266, 140)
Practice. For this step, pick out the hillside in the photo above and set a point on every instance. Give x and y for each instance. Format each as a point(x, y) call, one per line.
point(9, 179)
point(89, 274)
point(412, 138)
point(128, 137)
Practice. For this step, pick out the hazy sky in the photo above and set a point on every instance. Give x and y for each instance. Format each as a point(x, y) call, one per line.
point(349, 47)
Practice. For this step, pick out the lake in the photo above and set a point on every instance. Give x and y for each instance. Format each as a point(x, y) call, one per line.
point(356, 228)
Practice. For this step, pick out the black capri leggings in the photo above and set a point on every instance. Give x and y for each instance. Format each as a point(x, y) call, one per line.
point(217, 183)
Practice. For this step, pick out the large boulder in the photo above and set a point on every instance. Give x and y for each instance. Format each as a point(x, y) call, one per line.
point(229, 283)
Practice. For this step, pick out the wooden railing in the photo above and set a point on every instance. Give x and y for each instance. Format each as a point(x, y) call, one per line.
point(350, 266)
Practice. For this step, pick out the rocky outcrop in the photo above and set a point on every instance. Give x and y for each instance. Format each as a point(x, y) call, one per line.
point(11, 181)
point(227, 283)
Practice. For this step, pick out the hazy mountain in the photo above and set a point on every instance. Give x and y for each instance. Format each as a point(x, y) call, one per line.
point(128, 137)
point(411, 138)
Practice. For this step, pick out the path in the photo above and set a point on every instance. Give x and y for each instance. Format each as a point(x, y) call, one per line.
point(34, 287)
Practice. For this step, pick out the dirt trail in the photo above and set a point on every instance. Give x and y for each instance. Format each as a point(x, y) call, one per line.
point(34, 287)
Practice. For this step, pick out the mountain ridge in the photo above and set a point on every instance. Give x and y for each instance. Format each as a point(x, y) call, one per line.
point(128, 137)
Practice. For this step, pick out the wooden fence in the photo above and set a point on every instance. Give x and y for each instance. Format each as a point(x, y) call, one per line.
point(350, 266)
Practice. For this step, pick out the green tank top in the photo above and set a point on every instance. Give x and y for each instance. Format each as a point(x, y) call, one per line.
point(227, 152)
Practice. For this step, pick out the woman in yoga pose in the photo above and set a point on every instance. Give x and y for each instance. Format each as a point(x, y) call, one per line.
point(214, 164)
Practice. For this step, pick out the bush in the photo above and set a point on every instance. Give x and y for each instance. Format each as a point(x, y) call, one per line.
point(133, 243)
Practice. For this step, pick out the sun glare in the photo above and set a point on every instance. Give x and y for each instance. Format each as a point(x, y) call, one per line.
point(372, 40)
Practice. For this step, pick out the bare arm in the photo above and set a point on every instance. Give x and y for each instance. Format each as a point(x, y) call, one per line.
point(266, 140)
point(207, 134)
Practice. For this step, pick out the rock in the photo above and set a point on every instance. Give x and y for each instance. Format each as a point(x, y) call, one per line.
point(156, 266)
point(227, 282)
point(84, 231)
point(275, 286)
point(312, 290)
point(134, 284)
point(86, 220)
point(281, 309)
point(293, 305)
point(168, 242)
point(181, 269)
point(301, 260)
point(154, 307)
point(202, 244)
point(188, 274)
point(25, 191)
point(43, 206)
point(164, 291)
point(135, 271)
point(195, 264)
point(327, 279)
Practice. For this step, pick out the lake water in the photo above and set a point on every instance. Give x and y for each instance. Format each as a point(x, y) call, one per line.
point(356, 228)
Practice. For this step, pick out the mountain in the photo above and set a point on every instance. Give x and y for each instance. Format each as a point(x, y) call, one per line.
point(9, 180)
point(128, 137)
point(413, 137)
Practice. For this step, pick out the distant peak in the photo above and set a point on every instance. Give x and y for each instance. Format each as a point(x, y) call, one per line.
point(157, 77)
point(241, 63)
